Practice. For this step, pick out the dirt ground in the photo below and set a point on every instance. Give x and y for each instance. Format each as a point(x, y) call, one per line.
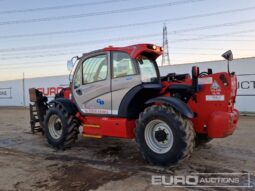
point(28, 163)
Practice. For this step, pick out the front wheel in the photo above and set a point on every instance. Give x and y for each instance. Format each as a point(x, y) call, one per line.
point(164, 136)
point(60, 127)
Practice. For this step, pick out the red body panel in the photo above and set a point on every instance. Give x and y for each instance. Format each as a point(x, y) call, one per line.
point(206, 109)
point(108, 126)
point(135, 50)
point(222, 124)
point(217, 118)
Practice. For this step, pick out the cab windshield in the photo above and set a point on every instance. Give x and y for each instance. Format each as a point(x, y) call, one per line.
point(147, 69)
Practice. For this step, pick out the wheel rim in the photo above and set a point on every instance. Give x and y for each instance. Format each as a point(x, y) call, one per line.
point(158, 136)
point(55, 127)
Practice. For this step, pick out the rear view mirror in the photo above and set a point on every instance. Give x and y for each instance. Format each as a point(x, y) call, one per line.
point(228, 55)
point(70, 65)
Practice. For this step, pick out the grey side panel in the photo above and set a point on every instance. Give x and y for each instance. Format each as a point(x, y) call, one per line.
point(120, 87)
point(179, 105)
point(101, 103)
point(95, 97)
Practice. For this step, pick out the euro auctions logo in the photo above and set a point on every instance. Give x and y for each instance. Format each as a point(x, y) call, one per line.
point(175, 180)
point(240, 180)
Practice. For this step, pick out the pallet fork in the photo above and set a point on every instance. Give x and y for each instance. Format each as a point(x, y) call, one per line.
point(38, 108)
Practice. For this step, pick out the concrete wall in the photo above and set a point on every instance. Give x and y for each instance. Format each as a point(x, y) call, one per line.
point(15, 92)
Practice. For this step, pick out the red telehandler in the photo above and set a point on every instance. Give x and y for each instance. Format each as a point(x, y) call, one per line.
point(118, 92)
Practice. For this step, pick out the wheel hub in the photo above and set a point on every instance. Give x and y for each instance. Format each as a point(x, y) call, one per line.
point(55, 127)
point(158, 136)
point(161, 135)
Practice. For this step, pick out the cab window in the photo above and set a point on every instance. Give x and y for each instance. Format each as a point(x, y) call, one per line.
point(122, 65)
point(147, 69)
point(78, 77)
point(94, 69)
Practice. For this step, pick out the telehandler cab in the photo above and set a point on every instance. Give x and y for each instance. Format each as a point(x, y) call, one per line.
point(118, 92)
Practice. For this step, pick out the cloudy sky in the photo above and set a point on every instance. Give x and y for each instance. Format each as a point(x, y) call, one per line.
point(38, 37)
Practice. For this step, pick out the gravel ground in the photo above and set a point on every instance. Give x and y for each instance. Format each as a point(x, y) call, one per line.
point(28, 163)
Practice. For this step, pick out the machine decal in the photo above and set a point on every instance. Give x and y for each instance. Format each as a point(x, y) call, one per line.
point(129, 78)
point(207, 80)
point(100, 101)
point(100, 111)
point(215, 88)
point(97, 111)
point(215, 98)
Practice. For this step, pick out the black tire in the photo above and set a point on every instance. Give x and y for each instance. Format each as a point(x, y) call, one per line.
point(202, 139)
point(182, 131)
point(69, 126)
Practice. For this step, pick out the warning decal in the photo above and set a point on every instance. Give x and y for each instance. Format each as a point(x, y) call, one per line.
point(215, 98)
point(215, 88)
point(202, 81)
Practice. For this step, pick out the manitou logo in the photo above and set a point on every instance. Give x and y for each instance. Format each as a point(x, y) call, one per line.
point(51, 91)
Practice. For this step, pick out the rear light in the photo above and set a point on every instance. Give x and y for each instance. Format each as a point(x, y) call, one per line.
point(224, 80)
point(230, 103)
point(155, 47)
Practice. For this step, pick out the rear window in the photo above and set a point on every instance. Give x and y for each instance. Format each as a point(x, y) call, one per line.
point(147, 69)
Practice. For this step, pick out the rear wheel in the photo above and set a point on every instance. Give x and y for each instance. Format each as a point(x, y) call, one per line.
point(164, 136)
point(60, 127)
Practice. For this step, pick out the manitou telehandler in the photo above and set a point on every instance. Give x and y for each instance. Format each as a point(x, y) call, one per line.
point(118, 92)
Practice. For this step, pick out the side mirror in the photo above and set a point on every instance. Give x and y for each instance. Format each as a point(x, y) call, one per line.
point(70, 65)
point(228, 55)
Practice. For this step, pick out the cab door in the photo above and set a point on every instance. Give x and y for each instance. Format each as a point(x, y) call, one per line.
point(124, 78)
point(91, 85)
